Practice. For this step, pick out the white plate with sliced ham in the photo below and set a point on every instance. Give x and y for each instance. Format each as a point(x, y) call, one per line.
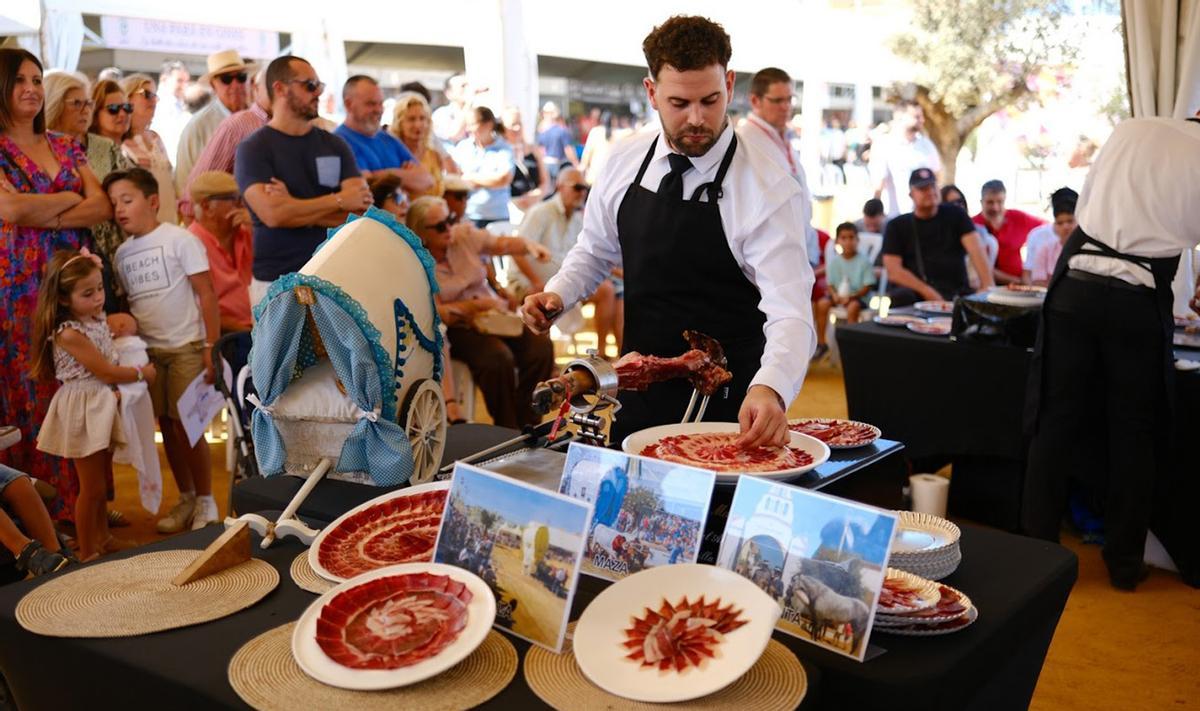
point(711, 445)
point(838, 434)
point(399, 527)
point(674, 633)
point(394, 626)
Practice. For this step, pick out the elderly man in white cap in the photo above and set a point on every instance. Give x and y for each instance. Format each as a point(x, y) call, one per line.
point(223, 226)
point(228, 74)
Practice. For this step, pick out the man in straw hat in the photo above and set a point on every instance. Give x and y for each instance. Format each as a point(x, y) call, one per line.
point(223, 225)
point(228, 75)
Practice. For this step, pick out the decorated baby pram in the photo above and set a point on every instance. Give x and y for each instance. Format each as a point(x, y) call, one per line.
point(347, 361)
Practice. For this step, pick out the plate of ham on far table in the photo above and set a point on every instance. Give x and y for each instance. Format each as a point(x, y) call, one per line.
point(838, 434)
point(711, 445)
point(944, 308)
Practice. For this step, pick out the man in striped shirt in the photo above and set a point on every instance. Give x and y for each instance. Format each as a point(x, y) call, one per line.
point(218, 153)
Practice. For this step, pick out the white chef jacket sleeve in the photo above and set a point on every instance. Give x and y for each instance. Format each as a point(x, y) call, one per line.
point(776, 255)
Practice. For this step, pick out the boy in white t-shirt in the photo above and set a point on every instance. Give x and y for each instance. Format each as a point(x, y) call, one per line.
point(164, 270)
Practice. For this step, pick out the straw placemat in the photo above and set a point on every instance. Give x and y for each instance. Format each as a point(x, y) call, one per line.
point(266, 676)
point(307, 579)
point(777, 682)
point(133, 596)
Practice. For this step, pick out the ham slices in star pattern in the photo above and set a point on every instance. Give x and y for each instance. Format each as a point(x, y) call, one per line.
point(718, 451)
point(396, 530)
point(681, 635)
point(393, 621)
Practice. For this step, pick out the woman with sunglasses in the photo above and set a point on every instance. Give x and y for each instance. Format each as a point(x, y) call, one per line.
point(145, 148)
point(48, 199)
point(69, 110)
point(464, 294)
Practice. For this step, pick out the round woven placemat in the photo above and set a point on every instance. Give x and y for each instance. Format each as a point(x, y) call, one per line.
point(133, 596)
point(307, 579)
point(776, 682)
point(266, 676)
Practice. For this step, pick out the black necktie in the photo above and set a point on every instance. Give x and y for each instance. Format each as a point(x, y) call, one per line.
point(672, 183)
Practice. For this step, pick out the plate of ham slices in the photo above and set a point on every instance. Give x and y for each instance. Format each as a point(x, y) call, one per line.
point(394, 626)
point(712, 446)
point(399, 527)
point(674, 633)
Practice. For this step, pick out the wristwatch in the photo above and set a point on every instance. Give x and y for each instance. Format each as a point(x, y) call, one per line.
point(141, 377)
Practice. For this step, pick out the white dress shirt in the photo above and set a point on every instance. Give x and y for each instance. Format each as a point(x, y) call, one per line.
point(194, 137)
point(1039, 237)
point(782, 149)
point(763, 213)
point(893, 161)
point(1140, 196)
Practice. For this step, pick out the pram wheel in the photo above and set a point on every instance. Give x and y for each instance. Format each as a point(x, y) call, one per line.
point(425, 424)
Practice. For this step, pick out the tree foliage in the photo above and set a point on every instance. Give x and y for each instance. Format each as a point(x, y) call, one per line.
point(641, 501)
point(976, 57)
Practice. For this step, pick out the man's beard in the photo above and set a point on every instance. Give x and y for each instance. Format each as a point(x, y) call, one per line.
point(695, 150)
point(303, 108)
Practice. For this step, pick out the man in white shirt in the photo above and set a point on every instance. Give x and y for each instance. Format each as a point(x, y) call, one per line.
point(1104, 358)
point(228, 75)
point(1043, 235)
point(894, 159)
point(767, 129)
point(450, 121)
point(555, 224)
point(711, 237)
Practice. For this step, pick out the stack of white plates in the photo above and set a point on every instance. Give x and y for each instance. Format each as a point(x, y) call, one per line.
point(926, 545)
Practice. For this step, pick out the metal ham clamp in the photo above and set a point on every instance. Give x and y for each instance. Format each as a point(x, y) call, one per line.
point(588, 386)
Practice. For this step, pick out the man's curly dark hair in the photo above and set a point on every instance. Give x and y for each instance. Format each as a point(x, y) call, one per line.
point(686, 42)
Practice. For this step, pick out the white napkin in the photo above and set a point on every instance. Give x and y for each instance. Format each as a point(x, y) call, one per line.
point(137, 417)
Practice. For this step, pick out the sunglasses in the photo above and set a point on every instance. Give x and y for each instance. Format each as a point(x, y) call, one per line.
point(443, 226)
point(81, 104)
point(581, 187)
point(312, 86)
point(233, 198)
point(115, 109)
point(228, 79)
point(145, 94)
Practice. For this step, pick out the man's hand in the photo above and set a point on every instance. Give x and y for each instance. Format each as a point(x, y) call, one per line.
point(240, 217)
point(537, 251)
point(149, 373)
point(540, 310)
point(355, 196)
point(763, 419)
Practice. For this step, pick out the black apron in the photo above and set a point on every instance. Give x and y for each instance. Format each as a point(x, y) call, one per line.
point(1162, 268)
point(679, 275)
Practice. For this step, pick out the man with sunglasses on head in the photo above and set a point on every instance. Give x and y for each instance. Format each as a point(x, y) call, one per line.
point(297, 180)
point(710, 233)
point(228, 75)
point(222, 225)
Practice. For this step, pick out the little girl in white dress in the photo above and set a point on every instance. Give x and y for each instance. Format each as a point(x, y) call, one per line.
point(73, 344)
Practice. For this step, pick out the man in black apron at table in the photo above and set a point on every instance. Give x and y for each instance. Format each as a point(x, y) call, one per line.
point(1104, 360)
point(711, 237)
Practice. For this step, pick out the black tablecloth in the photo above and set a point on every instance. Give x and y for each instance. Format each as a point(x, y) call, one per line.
point(964, 402)
point(1019, 585)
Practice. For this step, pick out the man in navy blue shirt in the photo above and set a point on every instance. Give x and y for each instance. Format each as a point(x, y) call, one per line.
point(375, 150)
point(297, 180)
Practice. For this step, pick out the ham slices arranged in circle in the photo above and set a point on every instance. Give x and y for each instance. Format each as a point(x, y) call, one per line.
point(838, 434)
point(396, 530)
point(718, 451)
point(393, 621)
point(681, 635)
